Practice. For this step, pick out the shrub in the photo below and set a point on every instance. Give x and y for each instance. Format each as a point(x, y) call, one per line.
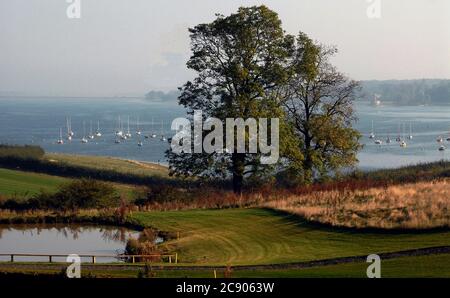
point(145, 245)
point(85, 194)
point(79, 194)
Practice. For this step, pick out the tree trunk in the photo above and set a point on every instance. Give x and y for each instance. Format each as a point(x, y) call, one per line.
point(308, 163)
point(308, 169)
point(238, 172)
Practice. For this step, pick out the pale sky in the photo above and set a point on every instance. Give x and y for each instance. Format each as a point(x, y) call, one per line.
point(127, 47)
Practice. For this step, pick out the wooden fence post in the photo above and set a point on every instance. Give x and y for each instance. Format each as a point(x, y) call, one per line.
point(12, 258)
point(176, 258)
point(49, 259)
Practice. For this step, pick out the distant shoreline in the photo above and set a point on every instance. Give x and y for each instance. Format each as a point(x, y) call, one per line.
point(73, 97)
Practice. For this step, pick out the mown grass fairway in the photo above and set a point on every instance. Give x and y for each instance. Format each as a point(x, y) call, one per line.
point(109, 163)
point(25, 183)
point(261, 236)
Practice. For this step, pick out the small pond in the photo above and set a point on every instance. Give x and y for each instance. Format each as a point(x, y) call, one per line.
point(63, 240)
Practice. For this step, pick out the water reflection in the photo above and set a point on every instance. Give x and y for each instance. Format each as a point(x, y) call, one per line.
point(63, 239)
point(116, 234)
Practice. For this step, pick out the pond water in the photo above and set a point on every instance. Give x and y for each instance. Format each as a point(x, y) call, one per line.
point(63, 240)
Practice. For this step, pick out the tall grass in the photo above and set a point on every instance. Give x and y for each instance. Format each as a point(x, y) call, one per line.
point(419, 205)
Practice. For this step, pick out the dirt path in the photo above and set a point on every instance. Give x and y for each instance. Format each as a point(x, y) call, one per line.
point(146, 165)
point(297, 265)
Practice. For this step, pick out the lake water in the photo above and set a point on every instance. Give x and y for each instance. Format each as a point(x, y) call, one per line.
point(38, 120)
point(63, 239)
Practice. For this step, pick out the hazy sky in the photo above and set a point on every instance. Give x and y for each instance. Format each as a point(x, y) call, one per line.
point(123, 47)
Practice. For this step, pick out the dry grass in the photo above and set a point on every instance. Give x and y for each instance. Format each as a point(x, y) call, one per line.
point(419, 205)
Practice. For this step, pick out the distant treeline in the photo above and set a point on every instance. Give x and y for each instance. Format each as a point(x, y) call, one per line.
point(171, 96)
point(399, 92)
point(408, 92)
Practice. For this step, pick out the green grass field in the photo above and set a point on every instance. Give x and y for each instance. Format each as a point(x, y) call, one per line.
point(25, 184)
point(22, 184)
point(19, 184)
point(110, 163)
point(260, 236)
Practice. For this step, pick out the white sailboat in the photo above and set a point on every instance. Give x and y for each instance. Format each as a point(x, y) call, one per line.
point(138, 130)
point(403, 143)
point(91, 134)
point(119, 131)
point(153, 131)
point(163, 138)
point(98, 133)
point(60, 140)
point(440, 139)
point(84, 140)
point(372, 134)
point(128, 134)
point(410, 131)
point(69, 129)
point(71, 133)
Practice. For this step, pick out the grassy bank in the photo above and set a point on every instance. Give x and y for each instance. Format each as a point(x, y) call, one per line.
point(437, 266)
point(100, 168)
point(109, 163)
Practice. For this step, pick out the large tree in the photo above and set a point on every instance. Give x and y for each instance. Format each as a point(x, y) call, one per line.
point(319, 102)
point(247, 67)
point(240, 61)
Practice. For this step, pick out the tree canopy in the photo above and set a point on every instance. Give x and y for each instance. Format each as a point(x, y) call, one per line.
point(319, 105)
point(248, 67)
